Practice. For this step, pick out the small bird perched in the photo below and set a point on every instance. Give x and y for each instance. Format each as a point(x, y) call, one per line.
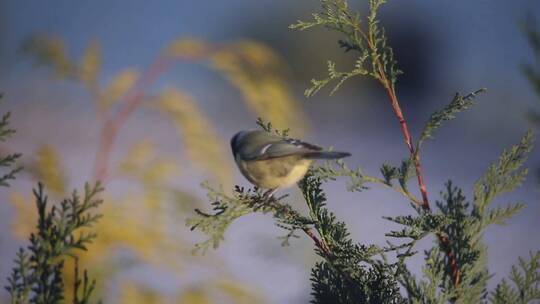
point(271, 162)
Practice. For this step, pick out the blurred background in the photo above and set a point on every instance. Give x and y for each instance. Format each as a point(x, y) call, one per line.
point(145, 96)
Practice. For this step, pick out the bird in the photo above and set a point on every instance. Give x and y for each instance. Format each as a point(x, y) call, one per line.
point(273, 162)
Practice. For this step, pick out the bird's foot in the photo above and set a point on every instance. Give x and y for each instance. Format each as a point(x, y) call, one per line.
point(268, 195)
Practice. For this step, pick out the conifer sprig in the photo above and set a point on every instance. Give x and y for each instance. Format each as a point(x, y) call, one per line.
point(504, 175)
point(526, 280)
point(458, 104)
point(8, 161)
point(37, 275)
point(455, 268)
point(375, 59)
point(227, 208)
point(372, 44)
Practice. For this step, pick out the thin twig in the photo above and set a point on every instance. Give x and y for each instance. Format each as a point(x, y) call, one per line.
point(408, 140)
point(399, 190)
point(445, 241)
point(132, 100)
point(452, 259)
point(320, 244)
point(390, 91)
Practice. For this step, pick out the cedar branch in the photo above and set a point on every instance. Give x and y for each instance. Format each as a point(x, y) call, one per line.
point(445, 241)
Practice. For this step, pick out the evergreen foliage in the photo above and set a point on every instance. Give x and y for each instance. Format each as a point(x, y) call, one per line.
point(455, 266)
point(60, 233)
point(349, 273)
point(526, 280)
point(375, 58)
point(458, 104)
point(7, 161)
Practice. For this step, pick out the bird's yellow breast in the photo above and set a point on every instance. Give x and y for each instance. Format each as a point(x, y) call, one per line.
point(276, 172)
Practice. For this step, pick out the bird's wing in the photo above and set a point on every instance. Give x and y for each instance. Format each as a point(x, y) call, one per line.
point(281, 148)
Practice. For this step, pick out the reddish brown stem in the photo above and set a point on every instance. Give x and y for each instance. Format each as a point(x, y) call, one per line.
point(452, 259)
point(408, 141)
point(445, 241)
point(317, 241)
point(327, 253)
point(132, 100)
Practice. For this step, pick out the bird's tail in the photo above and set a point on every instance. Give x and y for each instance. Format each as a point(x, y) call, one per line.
point(327, 155)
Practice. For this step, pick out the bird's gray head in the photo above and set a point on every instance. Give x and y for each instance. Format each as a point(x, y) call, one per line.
point(236, 140)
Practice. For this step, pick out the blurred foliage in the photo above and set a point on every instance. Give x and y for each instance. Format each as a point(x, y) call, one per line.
point(253, 68)
point(256, 70)
point(117, 88)
point(228, 291)
point(455, 266)
point(196, 129)
point(133, 293)
point(48, 168)
point(51, 52)
point(140, 222)
point(532, 70)
point(269, 96)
